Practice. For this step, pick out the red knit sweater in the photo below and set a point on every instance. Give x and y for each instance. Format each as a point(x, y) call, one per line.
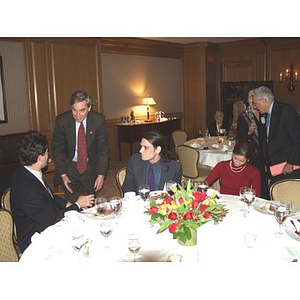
point(231, 182)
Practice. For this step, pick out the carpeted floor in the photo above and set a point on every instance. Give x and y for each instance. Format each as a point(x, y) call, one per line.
point(110, 188)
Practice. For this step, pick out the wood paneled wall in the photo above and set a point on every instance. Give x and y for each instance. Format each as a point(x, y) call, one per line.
point(56, 66)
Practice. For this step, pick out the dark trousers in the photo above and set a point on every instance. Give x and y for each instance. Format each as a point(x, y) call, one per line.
point(81, 184)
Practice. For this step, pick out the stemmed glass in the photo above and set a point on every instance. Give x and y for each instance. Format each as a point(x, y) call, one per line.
point(200, 133)
point(243, 189)
point(106, 230)
point(280, 214)
point(249, 197)
point(169, 188)
point(134, 244)
point(115, 204)
point(202, 186)
point(101, 206)
point(206, 136)
point(144, 192)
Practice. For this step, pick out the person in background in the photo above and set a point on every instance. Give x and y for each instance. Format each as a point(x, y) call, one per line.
point(88, 176)
point(280, 139)
point(248, 127)
point(218, 123)
point(152, 157)
point(237, 172)
point(33, 205)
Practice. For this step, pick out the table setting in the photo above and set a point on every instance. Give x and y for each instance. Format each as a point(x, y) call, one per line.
point(212, 149)
point(131, 229)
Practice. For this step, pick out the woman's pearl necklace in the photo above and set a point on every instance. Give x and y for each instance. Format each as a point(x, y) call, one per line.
point(236, 169)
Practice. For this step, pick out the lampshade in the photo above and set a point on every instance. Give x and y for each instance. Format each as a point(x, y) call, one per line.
point(148, 101)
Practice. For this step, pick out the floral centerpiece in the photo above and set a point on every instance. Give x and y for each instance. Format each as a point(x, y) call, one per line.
point(185, 212)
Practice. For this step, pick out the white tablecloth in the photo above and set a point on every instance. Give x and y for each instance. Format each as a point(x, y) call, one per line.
point(217, 244)
point(215, 153)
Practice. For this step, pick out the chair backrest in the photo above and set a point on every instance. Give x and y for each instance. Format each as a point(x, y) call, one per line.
point(8, 251)
point(5, 199)
point(286, 189)
point(188, 159)
point(179, 137)
point(120, 177)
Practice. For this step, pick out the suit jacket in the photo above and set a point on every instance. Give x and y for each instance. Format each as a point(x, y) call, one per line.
point(63, 143)
point(283, 143)
point(136, 173)
point(32, 206)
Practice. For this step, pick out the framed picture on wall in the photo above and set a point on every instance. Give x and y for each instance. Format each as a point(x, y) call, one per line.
point(235, 96)
point(3, 111)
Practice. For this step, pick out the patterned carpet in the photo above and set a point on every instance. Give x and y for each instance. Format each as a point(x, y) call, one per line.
point(110, 186)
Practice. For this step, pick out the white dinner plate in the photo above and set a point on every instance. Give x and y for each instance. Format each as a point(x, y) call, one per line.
point(259, 206)
point(290, 229)
point(156, 195)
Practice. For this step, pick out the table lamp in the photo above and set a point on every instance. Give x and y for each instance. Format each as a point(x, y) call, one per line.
point(148, 101)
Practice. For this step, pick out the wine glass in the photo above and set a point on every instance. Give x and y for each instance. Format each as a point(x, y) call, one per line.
point(202, 186)
point(169, 188)
point(101, 206)
point(115, 204)
point(200, 133)
point(243, 189)
point(134, 244)
point(249, 197)
point(144, 192)
point(206, 136)
point(280, 214)
point(106, 230)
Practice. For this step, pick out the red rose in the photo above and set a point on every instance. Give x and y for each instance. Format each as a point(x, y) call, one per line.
point(181, 200)
point(172, 215)
point(173, 227)
point(195, 204)
point(153, 210)
point(168, 201)
point(188, 215)
point(207, 215)
point(203, 207)
point(199, 196)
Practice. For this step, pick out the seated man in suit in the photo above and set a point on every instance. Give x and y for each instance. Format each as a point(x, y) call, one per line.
point(218, 123)
point(33, 206)
point(154, 159)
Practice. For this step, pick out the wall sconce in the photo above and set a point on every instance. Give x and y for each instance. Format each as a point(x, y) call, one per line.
point(289, 79)
point(148, 101)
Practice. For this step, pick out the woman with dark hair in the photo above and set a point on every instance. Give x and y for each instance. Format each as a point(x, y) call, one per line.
point(237, 172)
point(248, 128)
point(153, 165)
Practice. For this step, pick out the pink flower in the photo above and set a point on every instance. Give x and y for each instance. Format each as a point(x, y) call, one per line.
point(173, 227)
point(207, 215)
point(203, 207)
point(195, 204)
point(199, 196)
point(172, 215)
point(153, 210)
point(188, 215)
point(181, 200)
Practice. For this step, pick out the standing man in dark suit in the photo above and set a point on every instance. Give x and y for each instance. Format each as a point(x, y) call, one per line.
point(88, 176)
point(33, 205)
point(153, 165)
point(281, 138)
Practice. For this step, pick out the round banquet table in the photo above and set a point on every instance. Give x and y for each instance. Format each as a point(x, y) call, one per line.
point(215, 152)
point(217, 245)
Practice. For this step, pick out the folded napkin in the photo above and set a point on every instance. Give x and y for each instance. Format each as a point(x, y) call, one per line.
point(215, 146)
point(195, 145)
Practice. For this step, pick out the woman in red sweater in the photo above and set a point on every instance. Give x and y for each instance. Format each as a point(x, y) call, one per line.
point(237, 172)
